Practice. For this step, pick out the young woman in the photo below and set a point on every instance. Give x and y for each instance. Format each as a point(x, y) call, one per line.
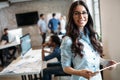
point(80, 46)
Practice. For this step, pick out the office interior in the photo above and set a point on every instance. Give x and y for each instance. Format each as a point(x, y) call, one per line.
point(105, 14)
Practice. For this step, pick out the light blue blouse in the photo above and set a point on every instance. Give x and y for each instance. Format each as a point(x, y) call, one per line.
point(89, 61)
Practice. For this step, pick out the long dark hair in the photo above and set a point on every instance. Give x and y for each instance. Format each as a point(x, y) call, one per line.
point(73, 31)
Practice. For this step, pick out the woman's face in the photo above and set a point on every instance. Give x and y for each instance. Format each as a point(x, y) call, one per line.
point(80, 16)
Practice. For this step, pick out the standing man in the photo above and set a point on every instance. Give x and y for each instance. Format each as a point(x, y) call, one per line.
point(54, 24)
point(63, 24)
point(42, 26)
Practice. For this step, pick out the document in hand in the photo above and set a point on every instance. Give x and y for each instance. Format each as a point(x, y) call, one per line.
point(109, 67)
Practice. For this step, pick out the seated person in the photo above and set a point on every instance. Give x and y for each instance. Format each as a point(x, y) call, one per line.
point(5, 40)
point(54, 43)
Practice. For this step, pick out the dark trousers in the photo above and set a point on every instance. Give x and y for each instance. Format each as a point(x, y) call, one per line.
point(43, 37)
point(14, 50)
point(1, 58)
point(51, 70)
point(5, 54)
point(54, 32)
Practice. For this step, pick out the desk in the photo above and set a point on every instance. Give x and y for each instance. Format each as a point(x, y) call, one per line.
point(31, 63)
point(9, 45)
point(2, 47)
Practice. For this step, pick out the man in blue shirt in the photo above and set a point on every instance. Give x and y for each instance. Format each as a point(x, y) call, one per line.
point(54, 24)
point(54, 43)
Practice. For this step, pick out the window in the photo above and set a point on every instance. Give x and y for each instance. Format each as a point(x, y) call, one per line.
point(94, 8)
point(97, 16)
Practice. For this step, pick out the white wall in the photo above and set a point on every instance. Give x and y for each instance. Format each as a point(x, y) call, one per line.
point(110, 20)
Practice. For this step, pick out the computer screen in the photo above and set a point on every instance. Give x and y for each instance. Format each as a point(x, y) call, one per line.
point(25, 44)
point(14, 35)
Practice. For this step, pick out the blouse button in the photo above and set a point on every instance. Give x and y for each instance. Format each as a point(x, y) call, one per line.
point(94, 66)
point(93, 58)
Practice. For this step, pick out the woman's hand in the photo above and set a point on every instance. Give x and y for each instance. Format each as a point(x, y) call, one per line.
point(83, 72)
point(86, 74)
point(111, 63)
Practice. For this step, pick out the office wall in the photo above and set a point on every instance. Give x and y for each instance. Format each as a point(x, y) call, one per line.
point(110, 20)
point(7, 15)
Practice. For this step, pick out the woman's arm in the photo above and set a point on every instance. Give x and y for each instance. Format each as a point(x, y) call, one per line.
point(107, 63)
point(84, 73)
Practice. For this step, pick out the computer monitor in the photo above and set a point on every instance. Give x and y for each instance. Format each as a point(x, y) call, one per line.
point(25, 44)
point(14, 35)
point(26, 19)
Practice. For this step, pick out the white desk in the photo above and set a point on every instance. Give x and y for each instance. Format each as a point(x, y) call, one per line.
point(31, 63)
point(2, 47)
point(9, 45)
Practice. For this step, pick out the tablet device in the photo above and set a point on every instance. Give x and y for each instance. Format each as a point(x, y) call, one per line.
point(108, 67)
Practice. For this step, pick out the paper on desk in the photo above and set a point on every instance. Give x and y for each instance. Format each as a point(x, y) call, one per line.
point(32, 60)
point(28, 67)
point(19, 70)
point(25, 61)
point(22, 66)
point(22, 70)
point(9, 69)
